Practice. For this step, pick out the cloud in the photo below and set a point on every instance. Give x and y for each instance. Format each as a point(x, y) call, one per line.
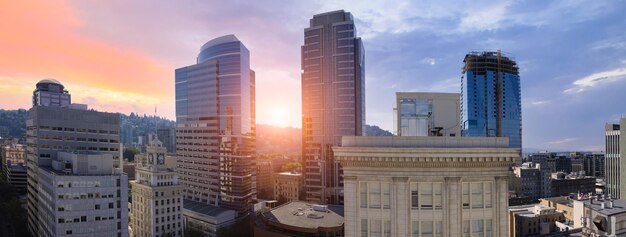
point(562, 141)
point(596, 79)
point(429, 61)
point(539, 102)
point(616, 43)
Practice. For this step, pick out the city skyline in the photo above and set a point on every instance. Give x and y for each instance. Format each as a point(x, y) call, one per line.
point(419, 48)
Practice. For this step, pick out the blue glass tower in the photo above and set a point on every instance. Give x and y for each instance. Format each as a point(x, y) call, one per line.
point(215, 126)
point(491, 100)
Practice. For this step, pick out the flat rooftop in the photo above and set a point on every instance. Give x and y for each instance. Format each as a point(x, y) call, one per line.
point(619, 207)
point(204, 208)
point(301, 214)
point(425, 142)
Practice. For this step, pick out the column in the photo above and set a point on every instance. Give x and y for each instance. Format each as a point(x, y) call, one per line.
point(400, 207)
point(351, 215)
point(501, 207)
point(452, 207)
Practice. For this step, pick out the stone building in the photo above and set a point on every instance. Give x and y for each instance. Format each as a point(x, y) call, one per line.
point(287, 185)
point(156, 195)
point(426, 186)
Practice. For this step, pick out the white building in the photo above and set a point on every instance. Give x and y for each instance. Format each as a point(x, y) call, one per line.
point(425, 186)
point(427, 114)
point(156, 195)
point(81, 194)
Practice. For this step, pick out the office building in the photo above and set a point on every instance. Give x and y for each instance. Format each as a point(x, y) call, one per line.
point(593, 164)
point(215, 126)
point(491, 101)
point(51, 129)
point(532, 181)
point(562, 184)
point(426, 186)
point(534, 220)
point(50, 92)
point(156, 195)
point(427, 114)
point(300, 219)
point(615, 148)
point(264, 181)
point(333, 100)
point(168, 137)
point(81, 194)
point(16, 175)
point(13, 153)
point(287, 186)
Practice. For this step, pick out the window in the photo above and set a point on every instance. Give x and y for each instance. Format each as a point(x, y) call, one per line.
point(68, 232)
point(414, 196)
point(363, 190)
point(438, 229)
point(426, 196)
point(477, 195)
point(477, 228)
point(427, 228)
point(374, 195)
point(363, 227)
point(61, 220)
point(111, 205)
point(386, 195)
point(437, 198)
point(488, 228)
point(387, 229)
point(83, 218)
point(488, 199)
point(97, 207)
point(465, 195)
point(415, 229)
point(466, 228)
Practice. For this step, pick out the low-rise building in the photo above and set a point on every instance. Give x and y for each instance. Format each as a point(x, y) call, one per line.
point(16, 175)
point(533, 220)
point(564, 185)
point(206, 219)
point(532, 180)
point(600, 217)
point(287, 186)
point(300, 219)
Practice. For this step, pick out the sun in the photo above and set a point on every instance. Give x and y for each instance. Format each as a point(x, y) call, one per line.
point(279, 116)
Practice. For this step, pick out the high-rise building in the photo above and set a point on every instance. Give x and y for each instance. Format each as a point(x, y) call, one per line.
point(427, 114)
point(333, 100)
point(157, 195)
point(426, 186)
point(593, 164)
point(615, 150)
point(168, 137)
point(491, 98)
point(215, 126)
point(50, 92)
point(51, 129)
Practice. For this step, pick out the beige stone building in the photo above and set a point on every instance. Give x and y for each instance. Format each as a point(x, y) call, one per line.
point(156, 208)
point(425, 186)
point(287, 185)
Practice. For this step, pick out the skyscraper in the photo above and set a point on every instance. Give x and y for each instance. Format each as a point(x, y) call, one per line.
point(72, 180)
point(614, 163)
point(215, 126)
point(50, 92)
point(491, 101)
point(333, 100)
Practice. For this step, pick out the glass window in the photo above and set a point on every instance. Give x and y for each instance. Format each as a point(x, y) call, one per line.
point(437, 198)
point(386, 195)
point(488, 199)
point(477, 195)
point(488, 228)
point(466, 228)
point(426, 196)
point(363, 194)
point(387, 228)
point(466, 195)
point(376, 228)
point(363, 227)
point(414, 196)
point(374, 195)
point(438, 229)
point(415, 229)
point(477, 228)
point(427, 229)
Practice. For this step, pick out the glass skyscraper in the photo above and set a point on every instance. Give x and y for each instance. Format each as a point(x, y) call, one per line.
point(491, 100)
point(215, 126)
point(333, 100)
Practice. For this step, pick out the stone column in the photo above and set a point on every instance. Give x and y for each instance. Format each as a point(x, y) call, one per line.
point(452, 207)
point(351, 208)
point(501, 207)
point(400, 207)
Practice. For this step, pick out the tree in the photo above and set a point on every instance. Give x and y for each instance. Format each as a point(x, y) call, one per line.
point(129, 153)
point(292, 166)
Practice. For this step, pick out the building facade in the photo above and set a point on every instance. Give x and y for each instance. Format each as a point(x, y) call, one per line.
point(491, 97)
point(593, 164)
point(287, 186)
point(215, 126)
point(535, 220)
point(333, 100)
point(562, 184)
point(426, 186)
point(50, 92)
point(264, 181)
point(427, 114)
point(168, 137)
point(81, 194)
point(51, 129)
point(156, 195)
point(533, 181)
point(614, 164)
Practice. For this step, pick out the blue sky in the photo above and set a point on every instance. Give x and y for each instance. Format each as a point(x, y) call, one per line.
point(120, 56)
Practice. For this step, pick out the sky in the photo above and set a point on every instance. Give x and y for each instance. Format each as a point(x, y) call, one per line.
point(120, 56)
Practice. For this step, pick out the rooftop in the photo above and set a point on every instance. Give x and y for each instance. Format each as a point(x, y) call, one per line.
point(204, 208)
point(619, 206)
point(425, 142)
point(302, 214)
point(218, 41)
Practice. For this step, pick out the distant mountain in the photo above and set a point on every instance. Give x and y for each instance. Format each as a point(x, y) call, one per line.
point(373, 130)
point(278, 140)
